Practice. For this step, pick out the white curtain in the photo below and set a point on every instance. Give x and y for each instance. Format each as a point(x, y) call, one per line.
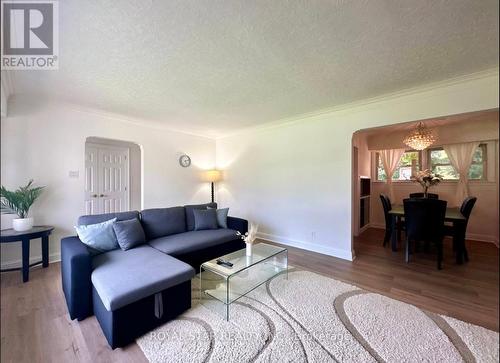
point(460, 156)
point(390, 161)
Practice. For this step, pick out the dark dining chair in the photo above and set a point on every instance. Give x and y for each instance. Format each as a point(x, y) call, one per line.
point(424, 221)
point(459, 235)
point(421, 195)
point(387, 206)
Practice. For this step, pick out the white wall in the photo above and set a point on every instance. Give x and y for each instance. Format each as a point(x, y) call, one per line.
point(45, 142)
point(294, 179)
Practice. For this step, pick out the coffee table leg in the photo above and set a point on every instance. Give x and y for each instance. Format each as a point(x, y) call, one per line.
point(45, 251)
point(287, 264)
point(227, 299)
point(26, 259)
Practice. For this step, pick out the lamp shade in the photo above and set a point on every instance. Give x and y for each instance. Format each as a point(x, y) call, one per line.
point(212, 175)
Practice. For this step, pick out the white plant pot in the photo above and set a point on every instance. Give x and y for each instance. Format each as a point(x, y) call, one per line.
point(22, 224)
point(249, 249)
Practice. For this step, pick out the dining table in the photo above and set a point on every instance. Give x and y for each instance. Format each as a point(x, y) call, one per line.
point(453, 215)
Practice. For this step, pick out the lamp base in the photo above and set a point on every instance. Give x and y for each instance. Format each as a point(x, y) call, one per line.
point(213, 192)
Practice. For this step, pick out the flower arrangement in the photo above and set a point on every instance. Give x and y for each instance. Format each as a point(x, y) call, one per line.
point(426, 179)
point(249, 237)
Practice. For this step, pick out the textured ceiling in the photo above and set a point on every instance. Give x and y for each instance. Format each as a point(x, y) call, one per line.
point(212, 67)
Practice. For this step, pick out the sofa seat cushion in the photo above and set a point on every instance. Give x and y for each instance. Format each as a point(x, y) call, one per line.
point(179, 244)
point(123, 277)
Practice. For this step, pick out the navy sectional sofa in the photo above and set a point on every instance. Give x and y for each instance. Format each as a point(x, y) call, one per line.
point(134, 291)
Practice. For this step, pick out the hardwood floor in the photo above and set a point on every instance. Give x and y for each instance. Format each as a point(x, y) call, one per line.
point(35, 326)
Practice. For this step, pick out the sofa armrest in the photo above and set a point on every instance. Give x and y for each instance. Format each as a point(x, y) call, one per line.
point(237, 224)
point(76, 268)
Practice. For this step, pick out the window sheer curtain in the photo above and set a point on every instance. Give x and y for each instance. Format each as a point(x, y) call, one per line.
point(460, 156)
point(390, 161)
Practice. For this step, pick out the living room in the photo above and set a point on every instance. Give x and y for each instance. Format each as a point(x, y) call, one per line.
point(257, 108)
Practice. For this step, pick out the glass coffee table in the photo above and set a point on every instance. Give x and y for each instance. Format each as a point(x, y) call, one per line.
point(220, 286)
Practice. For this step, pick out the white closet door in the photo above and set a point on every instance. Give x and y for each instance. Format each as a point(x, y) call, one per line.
point(110, 176)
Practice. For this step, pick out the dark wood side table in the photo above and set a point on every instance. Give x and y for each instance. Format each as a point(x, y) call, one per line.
point(43, 232)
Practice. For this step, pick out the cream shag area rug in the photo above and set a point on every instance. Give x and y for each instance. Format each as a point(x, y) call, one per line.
point(312, 318)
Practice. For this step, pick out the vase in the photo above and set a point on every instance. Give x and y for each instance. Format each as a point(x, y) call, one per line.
point(248, 249)
point(22, 224)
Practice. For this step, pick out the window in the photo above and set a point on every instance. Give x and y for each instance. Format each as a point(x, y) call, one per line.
point(440, 164)
point(408, 165)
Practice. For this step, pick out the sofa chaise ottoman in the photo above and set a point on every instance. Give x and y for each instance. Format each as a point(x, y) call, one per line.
point(134, 291)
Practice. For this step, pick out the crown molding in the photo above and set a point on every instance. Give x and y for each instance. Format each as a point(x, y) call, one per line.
point(131, 120)
point(348, 107)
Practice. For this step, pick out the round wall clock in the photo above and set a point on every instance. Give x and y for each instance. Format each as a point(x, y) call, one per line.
point(185, 161)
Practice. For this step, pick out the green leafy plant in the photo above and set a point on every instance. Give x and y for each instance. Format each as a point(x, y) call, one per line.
point(20, 201)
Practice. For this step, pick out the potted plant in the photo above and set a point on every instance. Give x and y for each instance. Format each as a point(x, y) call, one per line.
point(19, 202)
point(426, 179)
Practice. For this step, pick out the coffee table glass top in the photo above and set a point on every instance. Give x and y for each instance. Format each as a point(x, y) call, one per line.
point(220, 286)
point(240, 261)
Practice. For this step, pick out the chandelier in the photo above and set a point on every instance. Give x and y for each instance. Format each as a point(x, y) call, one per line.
point(420, 138)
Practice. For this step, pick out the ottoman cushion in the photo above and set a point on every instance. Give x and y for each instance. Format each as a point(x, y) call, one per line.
point(123, 277)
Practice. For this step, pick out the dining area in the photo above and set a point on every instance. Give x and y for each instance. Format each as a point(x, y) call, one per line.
point(425, 219)
point(431, 189)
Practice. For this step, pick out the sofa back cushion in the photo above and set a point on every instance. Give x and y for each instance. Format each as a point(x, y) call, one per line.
point(99, 218)
point(190, 215)
point(159, 222)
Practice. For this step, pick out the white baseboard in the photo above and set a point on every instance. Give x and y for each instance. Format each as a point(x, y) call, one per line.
point(482, 238)
point(471, 236)
point(335, 252)
point(54, 257)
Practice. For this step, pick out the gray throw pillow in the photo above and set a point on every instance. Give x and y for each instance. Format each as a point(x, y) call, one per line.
point(221, 216)
point(129, 233)
point(205, 219)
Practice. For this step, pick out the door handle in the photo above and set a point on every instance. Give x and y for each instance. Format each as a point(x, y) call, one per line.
point(102, 195)
point(94, 195)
